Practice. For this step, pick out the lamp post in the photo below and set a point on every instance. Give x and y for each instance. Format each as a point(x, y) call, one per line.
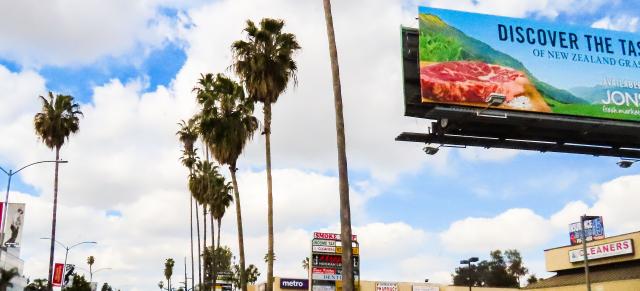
point(10, 174)
point(584, 249)
point(468, 262)
point(66, 254)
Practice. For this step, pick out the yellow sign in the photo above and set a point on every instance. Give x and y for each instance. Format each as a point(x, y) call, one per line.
point(355, 250)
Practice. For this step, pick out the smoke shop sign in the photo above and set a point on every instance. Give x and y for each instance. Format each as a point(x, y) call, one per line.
point(331, 236)
point(613, 249)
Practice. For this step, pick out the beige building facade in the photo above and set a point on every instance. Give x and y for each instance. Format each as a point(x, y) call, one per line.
point(374, 286)
point(614, 265)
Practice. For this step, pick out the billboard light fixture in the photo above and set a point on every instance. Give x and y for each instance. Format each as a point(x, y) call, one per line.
point(429, 150)
point(626, 163)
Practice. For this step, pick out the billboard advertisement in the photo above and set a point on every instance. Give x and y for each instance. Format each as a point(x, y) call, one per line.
point(594, 230)
point(482, 61)
point(13, 228)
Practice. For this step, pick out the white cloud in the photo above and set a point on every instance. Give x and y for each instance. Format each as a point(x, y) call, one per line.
point(521, 229)
point(74, 32)
point(624, 23)
point(488, 155)
point(543, 8)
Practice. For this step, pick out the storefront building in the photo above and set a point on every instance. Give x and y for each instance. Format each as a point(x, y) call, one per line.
point(290, 284)
point(614, 265)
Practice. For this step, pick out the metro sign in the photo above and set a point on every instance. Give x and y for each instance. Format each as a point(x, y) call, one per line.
point(331, 236)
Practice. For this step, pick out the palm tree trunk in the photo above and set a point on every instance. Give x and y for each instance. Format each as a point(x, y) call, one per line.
point(345, 209)
point(212, 228)
point(204, 243)
point(236, 192)
point(219, 224)
point(53, 219)
point(191, 236)
point(199, 250)
point(267, 132)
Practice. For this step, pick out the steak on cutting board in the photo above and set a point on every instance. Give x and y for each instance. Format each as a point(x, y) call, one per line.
point(470, 81)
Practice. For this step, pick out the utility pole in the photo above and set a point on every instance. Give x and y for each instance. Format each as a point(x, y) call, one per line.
point(185, 275)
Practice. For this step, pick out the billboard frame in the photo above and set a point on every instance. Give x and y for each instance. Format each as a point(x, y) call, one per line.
point(491, 128)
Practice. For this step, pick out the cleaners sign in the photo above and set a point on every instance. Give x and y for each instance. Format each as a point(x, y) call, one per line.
point(613, 249)
point(536, 66)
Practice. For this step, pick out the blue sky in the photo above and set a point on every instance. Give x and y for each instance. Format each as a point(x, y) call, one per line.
point(124, 171)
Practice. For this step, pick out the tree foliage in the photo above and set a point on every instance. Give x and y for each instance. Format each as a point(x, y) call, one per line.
point(37, 285)
point(251, 272)
point(6, 276)
point(498, 271)
point(106, 287)
point(79, 284)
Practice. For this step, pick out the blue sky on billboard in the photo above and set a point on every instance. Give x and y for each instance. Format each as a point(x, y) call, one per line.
point(125, 184)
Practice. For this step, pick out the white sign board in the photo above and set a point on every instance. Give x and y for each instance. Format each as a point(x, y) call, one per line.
point(322, 242)
point(425, 288)
point(327, 277)
point(386, 286)
point(324, 249)
point(612, 249)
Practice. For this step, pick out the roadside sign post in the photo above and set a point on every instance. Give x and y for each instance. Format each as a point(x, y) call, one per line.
point(325, 262)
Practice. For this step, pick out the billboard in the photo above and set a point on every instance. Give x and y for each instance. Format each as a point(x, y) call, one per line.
point(612, 249)
point(594, 230)
point(483, 61)
point(13, 228)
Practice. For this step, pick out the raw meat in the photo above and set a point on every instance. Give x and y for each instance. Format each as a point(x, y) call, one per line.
point(470, 81)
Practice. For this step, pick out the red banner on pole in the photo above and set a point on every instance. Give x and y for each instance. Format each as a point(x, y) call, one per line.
point(57, 275)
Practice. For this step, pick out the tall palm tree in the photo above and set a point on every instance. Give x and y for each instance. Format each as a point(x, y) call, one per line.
point(221, 201)
point(6, 276)
point(188, 135)
point(90, 261)
point(264, 62)
point(168, 271)
point(59, 118)
point(345, 208)
point(230, 128)
point(202, 186)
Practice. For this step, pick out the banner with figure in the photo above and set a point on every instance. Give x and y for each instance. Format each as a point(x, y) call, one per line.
point(13, 228)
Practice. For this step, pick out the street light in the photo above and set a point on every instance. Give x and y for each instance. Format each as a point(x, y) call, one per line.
point(67, 250)
point(584, 249)
point(468, 262)
point(10, 174)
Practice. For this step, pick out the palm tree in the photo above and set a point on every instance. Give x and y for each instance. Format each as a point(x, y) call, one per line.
point(221, 201)
point(202, 186)
point(161, 285)
point(345, 208)
point(168, 271)
point(6, 276)
point(188, 135)
point(228, 131)
point(265, 65)
point(58, 119)
point(305, 264)
point(90, 261)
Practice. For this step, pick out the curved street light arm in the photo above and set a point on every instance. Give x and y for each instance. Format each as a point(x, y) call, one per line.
point(5, 171)
point(40, 162)
point(84, 242)
point(61, 244)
